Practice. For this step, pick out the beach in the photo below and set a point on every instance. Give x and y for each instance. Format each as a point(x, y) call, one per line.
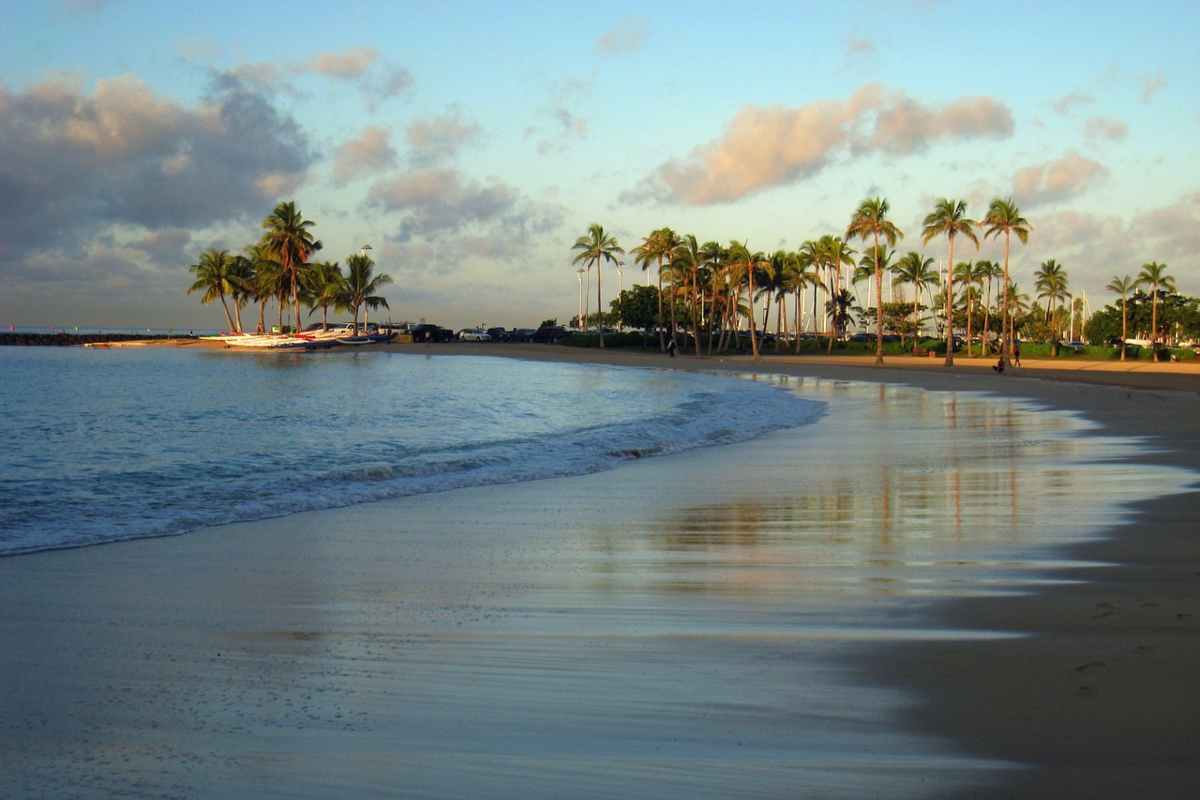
point(309, 656)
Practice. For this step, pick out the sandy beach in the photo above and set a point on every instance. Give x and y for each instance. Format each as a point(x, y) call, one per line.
point(309, 656)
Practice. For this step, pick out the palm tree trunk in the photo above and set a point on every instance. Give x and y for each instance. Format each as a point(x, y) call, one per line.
point(833, 284)
point(296, 297)
point(697, 308)
point(1154, 324)
point(970, 309)
point(750, 312)
point(987, 317)
point(1006, 350)
point(781, 320)
point(950, 305)
point(662, 343)
point(237, 318)
point(228, 316)
point(599, 307)
point(799, 318)
point(878, 306)
point(262, 315)
point(1124, 325)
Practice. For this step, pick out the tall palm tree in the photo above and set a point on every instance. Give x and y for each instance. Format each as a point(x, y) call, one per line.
point(964, 272)
point(949, 218)
point(1051, 283)
point(834, 254)
point(1155, 276)
point(241, 271)
point(748, 261)
point(216, 278)
point(290, 242)
point(1004, 217)
point(800, 275)
point(919, 272)
point(596, 247)
point(713, 266)
point(361, 288)
point(689, 256)
point(870, 220)
point(327, 288)
point(268, 275)
point(985, 272)
point(1123, 285)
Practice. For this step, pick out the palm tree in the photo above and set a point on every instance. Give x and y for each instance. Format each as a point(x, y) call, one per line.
point(360, 289)
point(216, 278)
point(290, 242)
point(1155, 276)
point(1003, 216)
point(689, 256)
point(268, 275)
point(715, 258)
point(984, 273)
point(1123, 285)
point(871, 220)
point(1051, 283)
point(917, 270)
point(801, 274)
point(834, 253)
point(1018, 303)
point(949, 217)
point(748, 261)
point(241, 275)
point(964, 271)
point(327, 288)
point(596, 247)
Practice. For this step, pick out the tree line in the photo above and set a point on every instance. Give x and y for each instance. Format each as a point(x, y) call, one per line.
point(714, 289)
point(277, 268)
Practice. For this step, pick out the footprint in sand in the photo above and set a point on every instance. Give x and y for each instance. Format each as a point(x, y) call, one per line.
point(1090, 665)
point(1085, 691)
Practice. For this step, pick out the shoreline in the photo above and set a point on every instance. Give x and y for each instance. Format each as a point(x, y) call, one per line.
point(1097, 692)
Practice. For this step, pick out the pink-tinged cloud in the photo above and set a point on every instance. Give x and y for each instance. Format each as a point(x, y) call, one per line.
point(348, 64)
point(765, 147)
point(1068, 102)
point(441, 137)
point(1114, 130)
point(1057, 180)
point(368, 153)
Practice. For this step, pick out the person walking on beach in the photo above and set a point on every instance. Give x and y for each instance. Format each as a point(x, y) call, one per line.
point(671, 347)
point(1017, 351)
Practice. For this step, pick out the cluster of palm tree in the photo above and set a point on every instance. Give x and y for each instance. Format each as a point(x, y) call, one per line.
point(277, 268)
point(716, 287)
point(1154, 276)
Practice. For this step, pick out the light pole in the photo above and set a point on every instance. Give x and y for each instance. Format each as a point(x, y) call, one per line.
point(362, 251)
point(579, 315)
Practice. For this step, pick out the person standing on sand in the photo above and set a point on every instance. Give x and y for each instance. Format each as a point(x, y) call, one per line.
point(671, 347)
point(1017, 351)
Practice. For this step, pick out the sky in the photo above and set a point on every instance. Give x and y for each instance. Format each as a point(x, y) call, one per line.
point(470, 143)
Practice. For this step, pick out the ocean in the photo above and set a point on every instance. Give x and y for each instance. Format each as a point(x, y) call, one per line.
point(104, 446)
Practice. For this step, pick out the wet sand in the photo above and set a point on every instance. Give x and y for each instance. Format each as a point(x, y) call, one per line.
point(740, 621)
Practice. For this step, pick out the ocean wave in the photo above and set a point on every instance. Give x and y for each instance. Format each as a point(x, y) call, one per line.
point(115, 498)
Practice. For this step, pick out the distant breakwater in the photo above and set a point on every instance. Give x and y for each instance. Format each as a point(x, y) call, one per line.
point(76, 339)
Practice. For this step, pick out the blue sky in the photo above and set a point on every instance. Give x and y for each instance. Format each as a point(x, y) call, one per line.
point(471, 143)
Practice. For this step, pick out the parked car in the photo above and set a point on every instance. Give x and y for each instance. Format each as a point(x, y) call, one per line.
point(473, 335)
point(549, 335)
point(520, 335)
point(497, 334)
